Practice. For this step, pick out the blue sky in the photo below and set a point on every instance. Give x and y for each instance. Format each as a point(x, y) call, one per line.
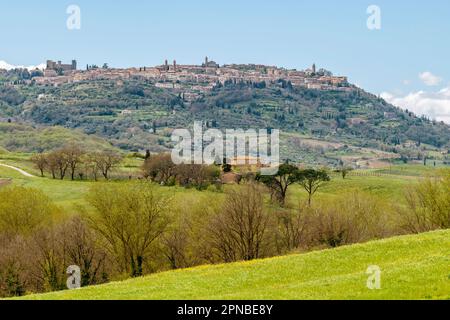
point(413, 39)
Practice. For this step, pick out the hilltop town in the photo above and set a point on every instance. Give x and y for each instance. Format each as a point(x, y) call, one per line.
point(137, 108)
point(192, 81)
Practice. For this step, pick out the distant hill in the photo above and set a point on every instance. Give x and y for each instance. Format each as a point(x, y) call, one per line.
point(26, 138)
point(135, 114)
point(412, 267)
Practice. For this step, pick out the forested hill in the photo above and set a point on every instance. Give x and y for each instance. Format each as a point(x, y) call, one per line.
point(137, 115)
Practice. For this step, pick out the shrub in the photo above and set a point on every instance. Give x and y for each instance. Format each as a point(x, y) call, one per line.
point(129, 217)
point(428, 204)
point(14, 275)
point(352, 218)
point(160, 168)
point(238, 231)
point(291, 229)
point(198, 176)
point(23, 210)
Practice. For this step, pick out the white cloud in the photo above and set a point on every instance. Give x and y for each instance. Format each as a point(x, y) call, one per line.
point(7, 66)
point(429, 79)
point(435, 105)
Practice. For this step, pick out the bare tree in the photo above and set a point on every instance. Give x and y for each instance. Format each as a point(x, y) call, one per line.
point(175, 244)
point(194, 175)
point(52, 164)
point(129, 217)
point(238, 231)
point(82, 249)
point(40, 161)
point(49, 265)
point(60, 160)
point(106, 161)
point(160, 168)
point(74, 157)
point(91, 166)
point(14, 272)
point(292, 229)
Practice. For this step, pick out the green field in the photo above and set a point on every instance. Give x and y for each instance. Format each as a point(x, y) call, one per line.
point(412, 267)
point(388, 184)
point(70, 195)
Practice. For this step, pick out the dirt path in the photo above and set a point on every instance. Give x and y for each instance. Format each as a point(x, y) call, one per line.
point(24, 173)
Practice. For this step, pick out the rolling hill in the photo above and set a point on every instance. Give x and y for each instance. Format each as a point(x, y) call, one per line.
point(135, 114)
point(413, 267)
point(27, 138)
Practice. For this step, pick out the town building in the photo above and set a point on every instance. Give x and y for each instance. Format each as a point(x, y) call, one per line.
point(192, 82)
point(58, 66)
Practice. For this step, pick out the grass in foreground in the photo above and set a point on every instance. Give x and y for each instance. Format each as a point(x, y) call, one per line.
point(413, 267)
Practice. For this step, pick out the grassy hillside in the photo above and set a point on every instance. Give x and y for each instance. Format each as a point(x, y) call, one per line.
point(413, 267)
point(26, 138)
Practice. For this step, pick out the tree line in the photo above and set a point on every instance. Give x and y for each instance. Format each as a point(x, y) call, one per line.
point(75, 162)
point(161, 169)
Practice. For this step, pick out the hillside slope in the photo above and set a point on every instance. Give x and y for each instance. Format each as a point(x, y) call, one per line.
point(413, 267)
point(26, 138)
point(136, 115)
